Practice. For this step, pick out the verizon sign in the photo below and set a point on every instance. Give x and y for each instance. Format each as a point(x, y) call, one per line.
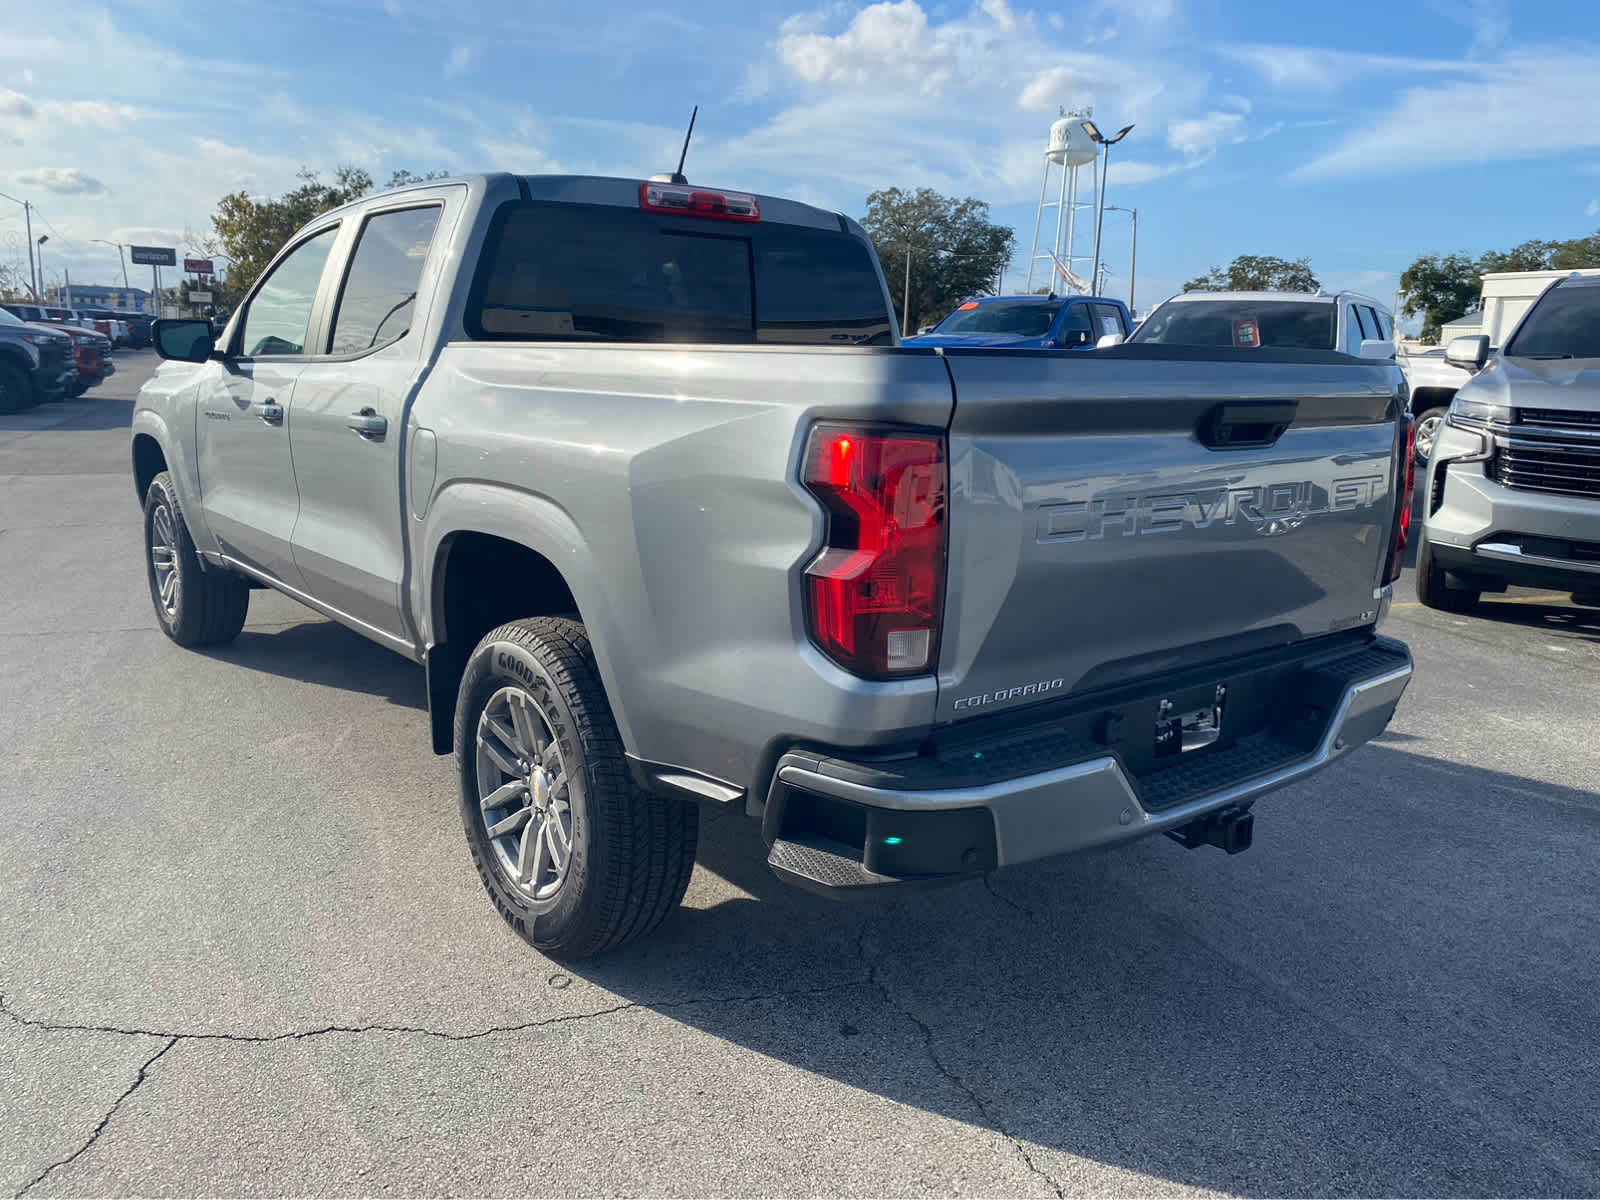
point(153, 256)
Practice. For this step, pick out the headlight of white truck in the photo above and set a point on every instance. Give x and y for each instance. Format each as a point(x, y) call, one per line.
point(1466, 413)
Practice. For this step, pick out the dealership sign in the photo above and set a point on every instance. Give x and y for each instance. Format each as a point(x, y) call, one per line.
point(154, 256)
point(199, 266)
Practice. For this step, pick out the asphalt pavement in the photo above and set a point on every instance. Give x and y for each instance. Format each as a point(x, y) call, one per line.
point(243, 950)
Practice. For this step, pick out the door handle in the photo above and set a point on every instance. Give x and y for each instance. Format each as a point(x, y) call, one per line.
point(270, 411)
point(369, 424)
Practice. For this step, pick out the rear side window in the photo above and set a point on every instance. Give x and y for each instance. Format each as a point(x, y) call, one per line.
point(1247, 324)
point(577, 272)
point(1108, 319)
point(380, 290)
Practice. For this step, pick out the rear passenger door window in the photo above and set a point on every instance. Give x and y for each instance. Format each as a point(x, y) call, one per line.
point(1354, 331)
point(380, 288)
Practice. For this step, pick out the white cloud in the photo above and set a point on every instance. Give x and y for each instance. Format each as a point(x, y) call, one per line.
point(460, 59)
point(64, 181)
point(16, 105)
point(886, 42)
point(1057, 86)
point(1311, 69)
point(1593, 209)
point(1533, 103)
point(1000, 13)
point(1199, 136)
point(1130, 171)
point(87, 114)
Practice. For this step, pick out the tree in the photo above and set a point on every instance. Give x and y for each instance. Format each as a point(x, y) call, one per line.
point(252, 230)
point(1439, 288)
point(402, 177)
point(1257, 273)
point(955, 251)
point(1442, 288)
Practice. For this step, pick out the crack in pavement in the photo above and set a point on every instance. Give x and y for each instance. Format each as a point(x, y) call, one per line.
point(961, 1085)
point(172, 1039)
point(94, 1134)
point(988, 883)
point(420, 1030)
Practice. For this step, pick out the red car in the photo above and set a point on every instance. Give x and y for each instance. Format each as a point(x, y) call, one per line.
point(91, 354)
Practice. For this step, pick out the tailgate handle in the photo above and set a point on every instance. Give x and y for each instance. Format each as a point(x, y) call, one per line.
point(1246, 425)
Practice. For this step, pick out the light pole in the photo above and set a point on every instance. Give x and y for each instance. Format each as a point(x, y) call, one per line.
point(1093, 131)
point(1133, 251)
point(43, 238)
point(125, 285)
point(27, 219)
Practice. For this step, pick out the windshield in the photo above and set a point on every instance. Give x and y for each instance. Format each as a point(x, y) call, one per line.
point(1251, 324)
point(1027, 318)
point(1565, 323)
point(8, 319)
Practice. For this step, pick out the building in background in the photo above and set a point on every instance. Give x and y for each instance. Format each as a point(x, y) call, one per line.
point(94, 296)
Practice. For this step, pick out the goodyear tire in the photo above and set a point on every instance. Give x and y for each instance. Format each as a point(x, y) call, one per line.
point(194, 606)
point(1434, 591)
point(575, 856)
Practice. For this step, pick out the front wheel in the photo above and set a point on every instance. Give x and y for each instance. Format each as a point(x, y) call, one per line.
point(1429, 425)
point(16, 390)
point(1434, 590)
point(194, 606)
point(575, 856)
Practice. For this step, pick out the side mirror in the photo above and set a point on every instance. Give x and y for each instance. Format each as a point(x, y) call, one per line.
point(1468, 353)
point(184, 339)
point(1107, 340)
point(1376, 348)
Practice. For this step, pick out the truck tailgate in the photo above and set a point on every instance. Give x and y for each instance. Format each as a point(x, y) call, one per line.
point(1122, 514)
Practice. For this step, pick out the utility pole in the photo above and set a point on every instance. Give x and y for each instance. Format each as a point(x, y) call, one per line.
point(1133, 252)
point(905, 299)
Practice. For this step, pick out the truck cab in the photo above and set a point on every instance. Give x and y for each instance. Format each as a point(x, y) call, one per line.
point(1029, 323)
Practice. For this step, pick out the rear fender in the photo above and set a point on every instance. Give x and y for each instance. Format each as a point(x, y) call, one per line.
point(542, 526)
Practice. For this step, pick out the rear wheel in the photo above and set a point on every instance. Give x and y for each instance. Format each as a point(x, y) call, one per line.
point(16, 392)
point(575, 856)
point(194, 606)
point(1434, 590)
point(1429, 425)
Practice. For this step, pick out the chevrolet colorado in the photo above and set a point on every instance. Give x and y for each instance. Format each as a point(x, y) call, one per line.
point(639, 473)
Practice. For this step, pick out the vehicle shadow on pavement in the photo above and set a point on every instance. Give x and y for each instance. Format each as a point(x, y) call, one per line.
point(1556, 619)
point(1373, 1000)
point(87, 414)
point(325, 652)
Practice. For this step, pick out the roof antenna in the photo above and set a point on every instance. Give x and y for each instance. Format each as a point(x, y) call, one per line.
point(677, 176)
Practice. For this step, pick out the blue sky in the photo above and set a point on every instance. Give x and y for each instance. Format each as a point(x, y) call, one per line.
point(1360, 134)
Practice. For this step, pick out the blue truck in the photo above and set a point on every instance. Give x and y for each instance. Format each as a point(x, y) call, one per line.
point(1029, 323)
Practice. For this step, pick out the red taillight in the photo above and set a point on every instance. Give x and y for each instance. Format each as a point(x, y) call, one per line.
point(1402, 525)
point(875, 595)
point(698, 202)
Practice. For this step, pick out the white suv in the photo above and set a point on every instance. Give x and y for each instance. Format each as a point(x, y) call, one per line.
point(1344, 321)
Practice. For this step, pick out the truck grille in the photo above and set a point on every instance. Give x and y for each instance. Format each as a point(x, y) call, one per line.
point(1558, 418)
point(1559, 467)
point(54, 355)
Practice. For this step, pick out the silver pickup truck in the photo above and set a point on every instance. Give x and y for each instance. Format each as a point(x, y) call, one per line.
point(640, 474)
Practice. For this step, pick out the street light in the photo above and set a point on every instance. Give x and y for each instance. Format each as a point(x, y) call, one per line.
point(27, 217)
point(42, 239)
point(1093, 131)
point(118, 245)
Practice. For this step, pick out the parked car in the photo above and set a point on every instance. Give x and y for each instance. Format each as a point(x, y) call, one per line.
point(1513, 488)
point(35, 363)
point(1029, 322)
point(637, 471)
point(91, 356)
point(1346, 322)
point(1433, 380)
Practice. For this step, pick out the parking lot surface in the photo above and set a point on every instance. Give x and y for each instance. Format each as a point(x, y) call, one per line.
point(243, 950)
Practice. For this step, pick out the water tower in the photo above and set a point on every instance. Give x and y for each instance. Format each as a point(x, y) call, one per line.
point(1070, 149)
